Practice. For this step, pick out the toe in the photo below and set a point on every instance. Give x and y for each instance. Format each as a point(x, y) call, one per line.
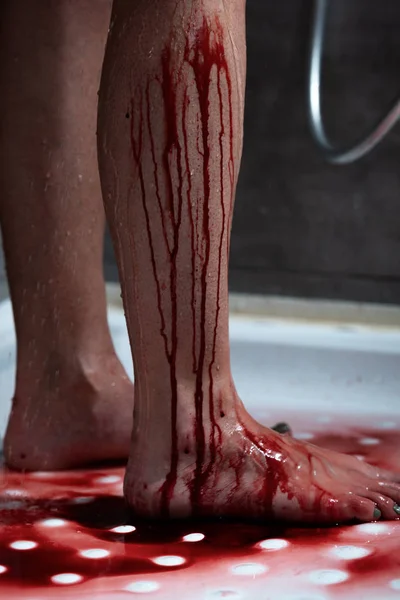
point(364, 509)
point(389, 509)
point(392, 490)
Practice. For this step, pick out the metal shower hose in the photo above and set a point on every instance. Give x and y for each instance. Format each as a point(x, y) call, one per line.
point(331, 153)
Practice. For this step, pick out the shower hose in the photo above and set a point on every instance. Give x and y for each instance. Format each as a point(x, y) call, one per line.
point(333, 154)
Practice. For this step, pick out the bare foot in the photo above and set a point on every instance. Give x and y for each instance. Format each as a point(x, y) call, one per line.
point(71, 421)
point(260, 473)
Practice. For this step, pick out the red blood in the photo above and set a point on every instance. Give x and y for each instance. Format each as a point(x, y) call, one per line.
point(130, 554)
point(203, 55)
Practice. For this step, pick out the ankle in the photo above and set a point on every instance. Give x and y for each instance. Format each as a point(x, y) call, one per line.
point(153, 417)
point(56, 372)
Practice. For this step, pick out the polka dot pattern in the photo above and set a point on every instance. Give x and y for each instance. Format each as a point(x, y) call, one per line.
point(142, 587)
point(23, 545)
point(95, 553)
point(193, 537)
point(108, 479)
point(83, 499)
point(15, 493)
point(373, 528)
point(123, 529)
point(369, 441)
point(66, 578)
point(169, 561)
point(71, 517)
point(273, 544)
point(349, 552)
point(53, 523)
point(328, 576)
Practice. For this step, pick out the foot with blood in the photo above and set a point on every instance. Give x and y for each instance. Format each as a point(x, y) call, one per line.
point(256, 472)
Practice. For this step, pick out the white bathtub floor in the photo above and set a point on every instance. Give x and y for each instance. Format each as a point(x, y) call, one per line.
point(328, 380)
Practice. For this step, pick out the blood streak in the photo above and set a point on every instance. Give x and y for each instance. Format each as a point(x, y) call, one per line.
point(193, 230)
point(222, 68)
point(172, 152)
point(137, 149)
point(204, 53)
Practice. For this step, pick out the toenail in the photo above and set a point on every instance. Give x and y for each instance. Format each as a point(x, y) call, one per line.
point(396, 509)
point(377, 513)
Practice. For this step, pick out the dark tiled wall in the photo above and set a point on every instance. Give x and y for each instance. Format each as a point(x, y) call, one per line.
point(302, 227)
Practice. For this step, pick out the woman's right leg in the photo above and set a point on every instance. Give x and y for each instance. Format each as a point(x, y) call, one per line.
point(170, 141)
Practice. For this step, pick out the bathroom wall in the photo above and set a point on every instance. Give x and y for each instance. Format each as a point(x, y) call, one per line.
point(302, 227)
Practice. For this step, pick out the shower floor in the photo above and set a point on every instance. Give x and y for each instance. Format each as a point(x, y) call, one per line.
point(68, 535)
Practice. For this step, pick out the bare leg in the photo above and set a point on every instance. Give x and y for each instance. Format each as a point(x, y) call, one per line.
point(73, 402)
point(170, 140)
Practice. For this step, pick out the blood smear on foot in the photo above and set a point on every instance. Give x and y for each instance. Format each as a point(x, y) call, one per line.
point(94, 547)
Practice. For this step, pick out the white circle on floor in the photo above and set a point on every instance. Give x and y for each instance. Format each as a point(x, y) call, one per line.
point(15, 493)
point(3, 569)
point(66, 578)
point(369, 441)
point(349, 552)
point(193, 537)
point(395, 584)
point(23, 545)
point(304, 435)
point(142, 587)
point(123, 529)
point(249, 569)
point(169, 561)
point(108, 479)
point(94, 553)
point(42, 474)
point(328, 576)
point(53, 523)
point(83, 499)
point(273, 544)
point(372, 528)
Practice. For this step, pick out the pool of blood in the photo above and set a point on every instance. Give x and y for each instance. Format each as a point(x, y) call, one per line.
point(66, 514)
